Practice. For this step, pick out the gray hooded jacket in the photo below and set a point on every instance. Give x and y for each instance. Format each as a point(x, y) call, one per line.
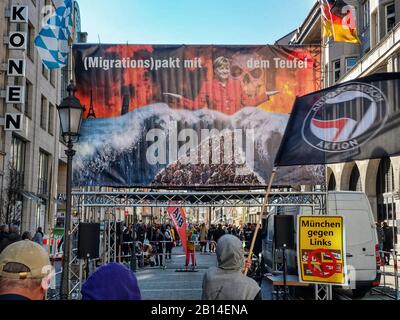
point(227, 282)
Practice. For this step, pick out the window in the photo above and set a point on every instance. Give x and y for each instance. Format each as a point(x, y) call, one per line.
point(30, 42)
point(355, 180)
point(336, 71)
point(15, 183)
point(53, 77)
point(18, 81)
point(43, 173)
point(366, 16)
point(28, 98)
point(332, 183)
point(45, 71)
point(50, 125)
point(385, 178)
point(43, 113)
point(374, 29)
point(326, 75)
point(390, 17)
point(17, 156)
point(350, 63)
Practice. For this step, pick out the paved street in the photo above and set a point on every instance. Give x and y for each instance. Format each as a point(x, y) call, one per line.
point(167, 284)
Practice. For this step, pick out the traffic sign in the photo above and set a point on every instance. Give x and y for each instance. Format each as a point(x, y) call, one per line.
point(321, 249)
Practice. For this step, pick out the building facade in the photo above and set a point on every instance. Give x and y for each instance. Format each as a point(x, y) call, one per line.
point(32, 161)
point(379, 30)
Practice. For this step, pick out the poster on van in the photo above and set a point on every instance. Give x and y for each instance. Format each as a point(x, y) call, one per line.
point(189, 116)
point(321, 250)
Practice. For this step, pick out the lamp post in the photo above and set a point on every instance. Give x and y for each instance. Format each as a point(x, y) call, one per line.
point(71, 112)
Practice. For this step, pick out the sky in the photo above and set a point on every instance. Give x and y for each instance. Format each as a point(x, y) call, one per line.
point(191, 21)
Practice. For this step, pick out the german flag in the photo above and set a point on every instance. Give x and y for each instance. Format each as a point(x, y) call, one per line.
point(339, 21)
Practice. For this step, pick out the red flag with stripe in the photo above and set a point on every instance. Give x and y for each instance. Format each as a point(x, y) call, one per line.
point(178, 216)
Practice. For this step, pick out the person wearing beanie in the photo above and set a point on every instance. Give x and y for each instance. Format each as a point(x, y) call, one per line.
point(111, 282)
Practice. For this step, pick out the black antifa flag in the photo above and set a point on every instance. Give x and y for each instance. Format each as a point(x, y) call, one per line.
point(356, 120)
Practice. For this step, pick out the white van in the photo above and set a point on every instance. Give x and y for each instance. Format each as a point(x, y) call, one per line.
point(361, 239)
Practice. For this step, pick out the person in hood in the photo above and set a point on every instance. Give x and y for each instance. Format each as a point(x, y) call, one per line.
point(227, 282)
point(111, 282)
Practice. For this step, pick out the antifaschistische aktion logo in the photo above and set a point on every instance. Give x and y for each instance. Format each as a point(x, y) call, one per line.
point(345, 119)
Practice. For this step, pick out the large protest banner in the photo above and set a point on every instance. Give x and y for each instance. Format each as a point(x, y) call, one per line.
point(189, 116)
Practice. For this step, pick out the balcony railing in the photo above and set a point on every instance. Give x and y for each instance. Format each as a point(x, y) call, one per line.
point(381, 52)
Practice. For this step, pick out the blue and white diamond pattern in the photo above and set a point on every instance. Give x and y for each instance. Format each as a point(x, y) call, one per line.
point(52, 40)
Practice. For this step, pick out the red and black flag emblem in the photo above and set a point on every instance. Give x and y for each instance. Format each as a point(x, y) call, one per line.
point(356, 120)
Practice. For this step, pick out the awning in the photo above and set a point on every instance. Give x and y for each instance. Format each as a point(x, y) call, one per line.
point(31, 196)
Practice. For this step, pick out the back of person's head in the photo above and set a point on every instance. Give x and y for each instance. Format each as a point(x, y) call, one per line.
point(4, 228)
point(26, 236)
point(25, 270)
point(230, 254)
point(111, 282)
point(14, 229)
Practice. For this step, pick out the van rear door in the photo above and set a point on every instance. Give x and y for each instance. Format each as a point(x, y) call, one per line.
point(360, 233)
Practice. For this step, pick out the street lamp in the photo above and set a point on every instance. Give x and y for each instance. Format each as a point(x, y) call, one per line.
point(71, 112)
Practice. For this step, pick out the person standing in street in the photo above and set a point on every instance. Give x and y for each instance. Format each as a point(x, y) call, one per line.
point(169, 243)
point(219, 233)
point(203, 238)
point(210, 238)
point(381, 240)
point(190, 246)
point(38, 237)
point(388, 243)
point(227, 281)
point(158, 246)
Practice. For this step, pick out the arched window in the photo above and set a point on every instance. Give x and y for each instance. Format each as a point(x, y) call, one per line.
point(384, 191)
point(385, 178)
point(355, 181)
point(332, 183)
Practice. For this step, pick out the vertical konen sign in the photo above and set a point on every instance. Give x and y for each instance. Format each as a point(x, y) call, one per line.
point(189, 116)
point(17, 40)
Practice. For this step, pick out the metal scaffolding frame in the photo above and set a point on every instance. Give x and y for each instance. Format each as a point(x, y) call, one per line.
point(85, 204)
point(165, 199)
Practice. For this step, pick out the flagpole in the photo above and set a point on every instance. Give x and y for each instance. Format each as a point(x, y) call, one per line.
point(73, 35)
point(264, 206)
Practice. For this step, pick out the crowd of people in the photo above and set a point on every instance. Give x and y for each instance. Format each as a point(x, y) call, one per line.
point(156, 239)
point(11, 234)
point(26, 271)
